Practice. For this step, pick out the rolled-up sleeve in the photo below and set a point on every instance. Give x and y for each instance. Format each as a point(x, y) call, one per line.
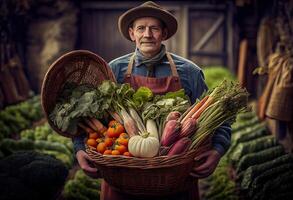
point(198, 85)
point(78, 143)
point(221, 139)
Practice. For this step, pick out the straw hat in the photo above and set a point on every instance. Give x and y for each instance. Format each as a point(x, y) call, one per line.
point(147, 9)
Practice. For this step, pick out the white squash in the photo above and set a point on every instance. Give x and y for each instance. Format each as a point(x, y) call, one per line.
point(143, 145)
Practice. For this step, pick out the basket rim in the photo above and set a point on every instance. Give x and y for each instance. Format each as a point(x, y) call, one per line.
point(50, 70)
point(140, 163)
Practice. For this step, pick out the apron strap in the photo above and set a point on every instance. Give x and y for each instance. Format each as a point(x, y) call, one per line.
point(130, 65)
point(170, 59)
point(172, 64)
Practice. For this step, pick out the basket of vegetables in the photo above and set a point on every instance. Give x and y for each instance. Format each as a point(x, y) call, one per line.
point(75, 68)
point(144, 144)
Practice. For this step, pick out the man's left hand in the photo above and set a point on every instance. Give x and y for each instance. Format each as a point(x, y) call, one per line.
point(210, 160)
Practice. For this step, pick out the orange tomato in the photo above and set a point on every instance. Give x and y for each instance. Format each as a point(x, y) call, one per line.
point(123, 141)
point(91, 142)
point(115, 152)
point(127, 154)
point(112, 122)
point(115, 130)
point(121, 148)
point(109, 142)
point(108, 152)
point(93, 135)
point(124, 135)
point(101, 148)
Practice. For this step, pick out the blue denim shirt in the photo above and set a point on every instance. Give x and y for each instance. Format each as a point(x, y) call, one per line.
point(192, 81)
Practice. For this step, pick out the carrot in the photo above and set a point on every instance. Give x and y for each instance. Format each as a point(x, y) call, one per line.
point(101, 128)
point(208, 102)
point(91, 125)
point(185, 113)
point(85, 128)
point(116, 116)
point(195, 108)
point(129, 123)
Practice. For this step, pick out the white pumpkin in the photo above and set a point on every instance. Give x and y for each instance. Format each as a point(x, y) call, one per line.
point(143, 145)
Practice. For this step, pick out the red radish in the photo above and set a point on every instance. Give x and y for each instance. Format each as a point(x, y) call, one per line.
point(170, 133)
point(181, 146)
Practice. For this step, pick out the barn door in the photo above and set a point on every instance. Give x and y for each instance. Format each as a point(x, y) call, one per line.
point(209, 38)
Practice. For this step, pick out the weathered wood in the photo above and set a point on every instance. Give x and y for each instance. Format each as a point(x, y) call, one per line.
point(209, 54)
point(242, 62)
point(215, 27)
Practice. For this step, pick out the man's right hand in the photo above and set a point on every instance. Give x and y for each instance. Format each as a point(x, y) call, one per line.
point(84, 162)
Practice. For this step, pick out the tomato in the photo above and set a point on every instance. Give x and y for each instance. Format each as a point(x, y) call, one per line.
point(115, 130)
point(120, 148)
point(124, 135)
point(112, 122)
point(93, 135)
point(115, 152)
point(108, 152)
point(122, 140)
point(127, 154)
point(101, 148)
point(109, 142)
point(91, 142)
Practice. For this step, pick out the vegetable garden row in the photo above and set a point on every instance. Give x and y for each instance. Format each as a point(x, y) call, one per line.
point(24, 146)
point(255, 167)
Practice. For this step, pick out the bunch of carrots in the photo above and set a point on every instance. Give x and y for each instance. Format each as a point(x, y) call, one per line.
point(222, 105)
point(196, 125)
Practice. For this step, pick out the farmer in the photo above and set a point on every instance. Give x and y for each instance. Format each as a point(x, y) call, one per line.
point(152, 66)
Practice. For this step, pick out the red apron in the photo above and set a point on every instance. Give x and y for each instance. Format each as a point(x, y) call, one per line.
point(158, 86)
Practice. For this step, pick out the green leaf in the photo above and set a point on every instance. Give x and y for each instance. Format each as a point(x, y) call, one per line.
point(178, 93)
point(107, 88)
point(142, 95)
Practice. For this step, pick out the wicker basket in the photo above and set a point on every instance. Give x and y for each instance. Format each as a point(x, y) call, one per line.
point(157, 176)
point(81, 67)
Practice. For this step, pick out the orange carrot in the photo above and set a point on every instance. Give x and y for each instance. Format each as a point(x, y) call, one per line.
point(101, 128)
point(116, 116)
point(208, 102)
point(91, 124)
point(85, 128)
point(195, 108)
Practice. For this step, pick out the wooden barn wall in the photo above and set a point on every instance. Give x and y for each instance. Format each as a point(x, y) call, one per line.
point(208, 36)
point(99, 31)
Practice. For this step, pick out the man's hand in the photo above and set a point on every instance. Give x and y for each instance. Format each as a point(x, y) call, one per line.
point(84, 162)
point(210, 160)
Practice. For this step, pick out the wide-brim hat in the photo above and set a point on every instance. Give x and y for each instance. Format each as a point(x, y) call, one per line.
point(147, 9)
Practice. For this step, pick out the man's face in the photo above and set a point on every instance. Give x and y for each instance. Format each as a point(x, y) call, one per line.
point(148, 34)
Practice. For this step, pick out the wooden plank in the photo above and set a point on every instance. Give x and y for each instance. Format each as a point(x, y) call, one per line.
point(207, 53)
point(242, 62)
point(209, 34)
point(230, 39)
point(207, 7)
point(108, 5)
